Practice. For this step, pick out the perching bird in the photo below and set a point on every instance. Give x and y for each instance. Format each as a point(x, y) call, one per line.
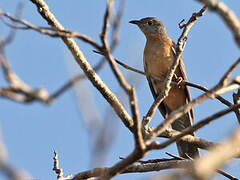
point(159, 55)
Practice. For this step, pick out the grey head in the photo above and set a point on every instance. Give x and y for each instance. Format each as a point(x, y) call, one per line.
point(150, 26)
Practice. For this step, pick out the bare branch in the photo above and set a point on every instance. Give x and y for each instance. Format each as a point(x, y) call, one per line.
point(198, 142)
point(137, 130)
point(197, 126)
point(124, 65)
point(220, 98)
point(58, 170)
point(47, 30)
point(218, 170)
point(141, 168)
point(205, 167)
point(175, 156)
point(83, 63)
point(107, 53)
point(230, 71)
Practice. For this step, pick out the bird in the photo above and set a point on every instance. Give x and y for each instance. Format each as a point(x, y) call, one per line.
point(158, 56)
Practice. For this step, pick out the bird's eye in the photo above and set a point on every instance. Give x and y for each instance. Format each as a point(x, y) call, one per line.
point(150, 23)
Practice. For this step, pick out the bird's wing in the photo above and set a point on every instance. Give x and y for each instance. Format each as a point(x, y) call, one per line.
point(162, 108)
point(184, 76)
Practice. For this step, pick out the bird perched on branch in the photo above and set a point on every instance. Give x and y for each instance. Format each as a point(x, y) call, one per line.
point(159, 54)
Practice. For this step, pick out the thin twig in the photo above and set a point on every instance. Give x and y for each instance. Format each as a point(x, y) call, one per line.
point(47, 30)
point(107, 52)
point(123, 64)
point(196, 141)
point(57, 169)
point(139, 143)
point(220, 98)
point(230, 71)
point(175, 156)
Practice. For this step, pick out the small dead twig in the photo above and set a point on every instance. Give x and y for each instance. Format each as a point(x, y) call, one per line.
point(175, 156)
point(58, 170)
point(107, 53)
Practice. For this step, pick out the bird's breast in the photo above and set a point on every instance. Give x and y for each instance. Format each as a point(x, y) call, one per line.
point(158, 57)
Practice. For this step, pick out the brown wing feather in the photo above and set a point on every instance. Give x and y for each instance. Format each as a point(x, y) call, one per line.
point(184, 76)
point(162, 108)
point(183, 72)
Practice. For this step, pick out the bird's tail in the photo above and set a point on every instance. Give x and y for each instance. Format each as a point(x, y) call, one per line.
point(185, 149)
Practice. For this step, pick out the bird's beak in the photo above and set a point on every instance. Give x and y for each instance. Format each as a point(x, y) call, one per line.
point(137, 22)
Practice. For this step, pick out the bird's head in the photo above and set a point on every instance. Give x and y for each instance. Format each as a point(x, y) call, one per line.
point(150, 26)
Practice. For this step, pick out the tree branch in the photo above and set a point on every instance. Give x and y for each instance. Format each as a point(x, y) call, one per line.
point(205, 167)
point(197, 126)
point(86, 67)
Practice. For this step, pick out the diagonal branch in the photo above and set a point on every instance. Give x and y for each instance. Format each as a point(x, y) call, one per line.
point(46, 30)
point(204, 167)
point(197, 126)
point(137, 130)
point(196, 141)
point(107, 53)
point(86, 67)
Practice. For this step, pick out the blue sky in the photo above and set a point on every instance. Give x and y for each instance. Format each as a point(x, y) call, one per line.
point(31, 132)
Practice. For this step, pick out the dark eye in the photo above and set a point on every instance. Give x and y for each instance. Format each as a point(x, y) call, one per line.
point(150, 23)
